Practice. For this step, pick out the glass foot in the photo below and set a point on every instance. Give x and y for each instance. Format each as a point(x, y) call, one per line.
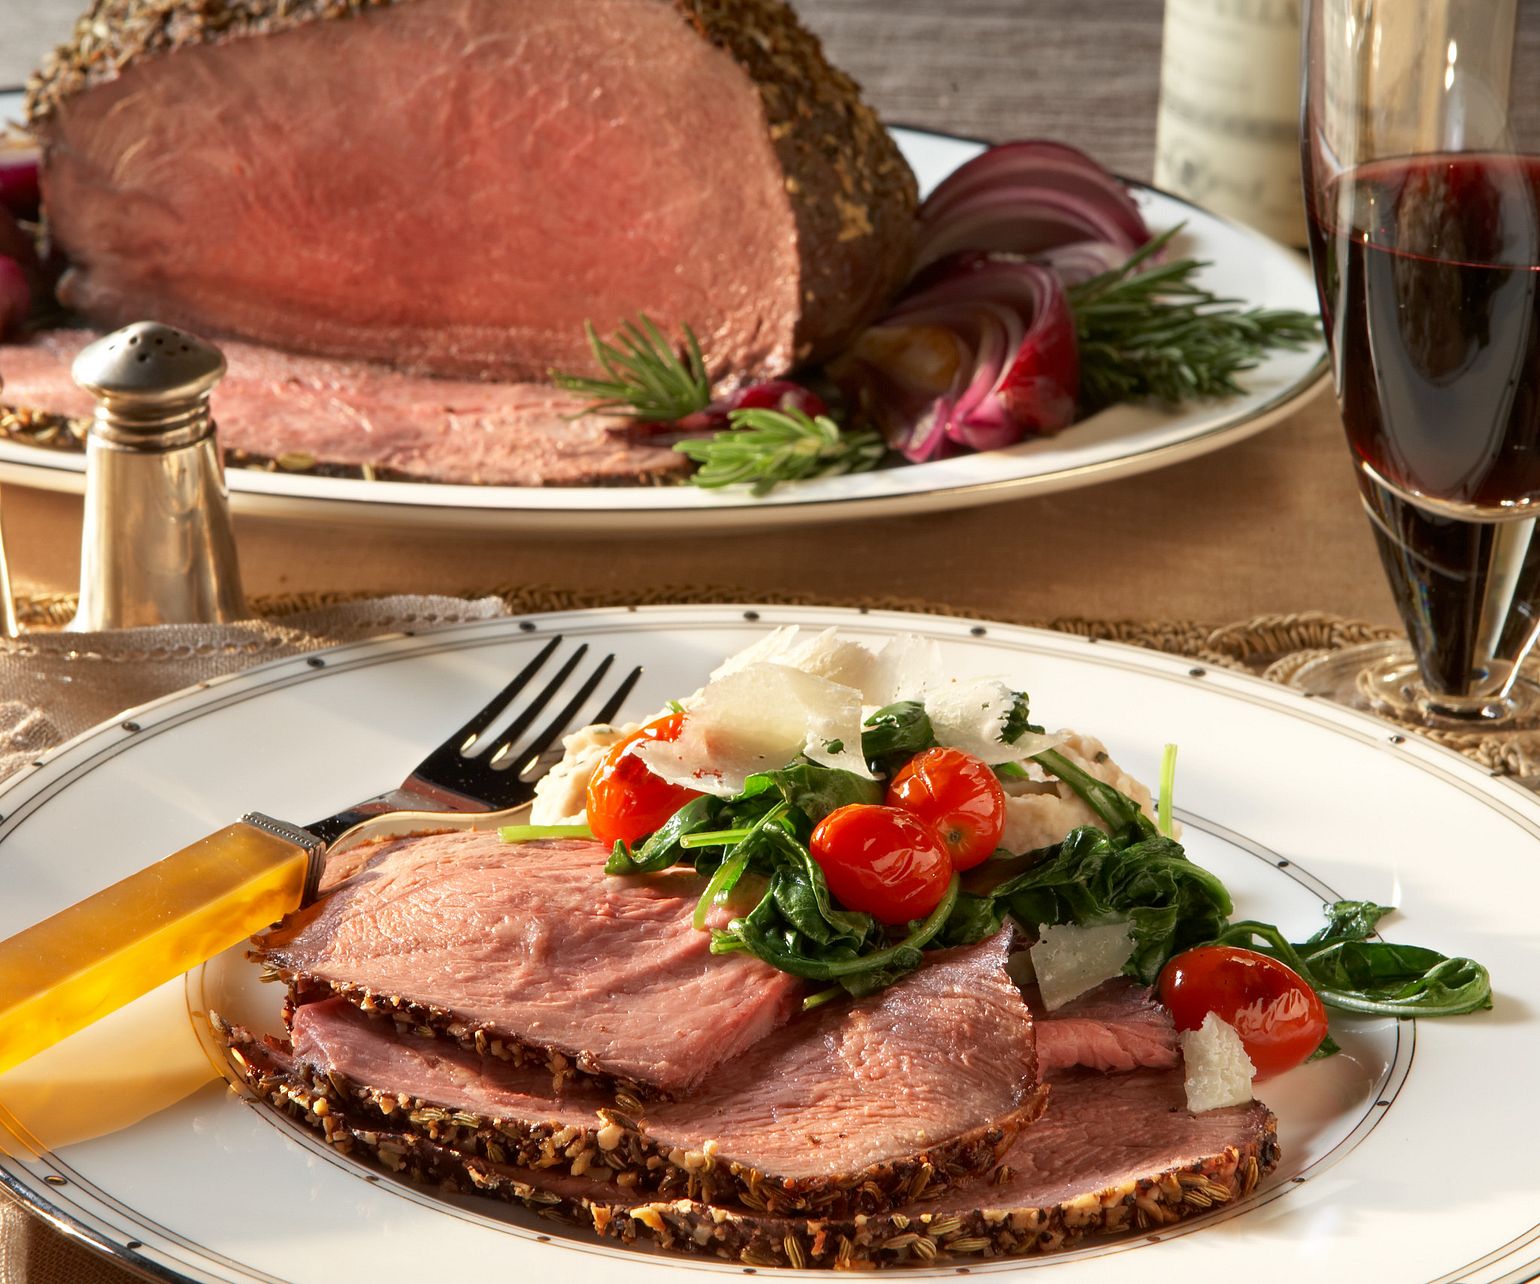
point(1382, 678)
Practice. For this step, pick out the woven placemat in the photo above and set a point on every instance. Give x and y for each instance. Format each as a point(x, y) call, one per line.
point(1272, 646)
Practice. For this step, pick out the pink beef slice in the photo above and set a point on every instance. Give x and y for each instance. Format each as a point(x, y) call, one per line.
point(1111, 1154)
point(273, 404)
point(1116, 1027)
point(532, 947)
point(457, 186)
point(840, 1109)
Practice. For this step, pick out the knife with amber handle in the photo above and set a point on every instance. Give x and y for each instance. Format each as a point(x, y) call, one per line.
point(92, 958)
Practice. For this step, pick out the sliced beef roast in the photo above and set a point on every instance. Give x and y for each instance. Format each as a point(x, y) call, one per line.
point(457, 186)
point(1115, 1027)
point(530, 952)
point(853, 1108)
point(1112, 1153)
point(275, 406)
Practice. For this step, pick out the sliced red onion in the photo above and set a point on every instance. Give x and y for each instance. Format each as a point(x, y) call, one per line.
point(15, 297)
point(1025, 198)
point(18, 181)
point(1080, 261)
point(976, 360)
point(15, 243)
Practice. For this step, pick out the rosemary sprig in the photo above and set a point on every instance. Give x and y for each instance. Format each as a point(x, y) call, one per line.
point(767, 447)
point(1151, 333)
point(647, 380)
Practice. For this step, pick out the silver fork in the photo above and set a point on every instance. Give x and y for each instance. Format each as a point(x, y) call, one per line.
point(466, 774)
point(97, 955)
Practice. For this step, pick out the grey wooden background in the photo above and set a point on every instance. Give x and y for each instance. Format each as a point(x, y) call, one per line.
point(1084, 71)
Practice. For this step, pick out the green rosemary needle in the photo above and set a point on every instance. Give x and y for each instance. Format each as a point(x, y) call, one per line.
point(767, 447)
point(1152, 334)
point(647, 379)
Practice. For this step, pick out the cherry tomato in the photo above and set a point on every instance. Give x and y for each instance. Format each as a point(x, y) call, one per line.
point(958, 796)
point(625, 800)
point(882, 860)
point(1279, 1017)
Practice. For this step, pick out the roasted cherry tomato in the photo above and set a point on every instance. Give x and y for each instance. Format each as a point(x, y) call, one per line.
point(625, 800)
point(1279, 1017)
point(958, 796)
point(882, 860)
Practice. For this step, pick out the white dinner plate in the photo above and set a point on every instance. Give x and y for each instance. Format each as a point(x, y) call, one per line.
point(1116, 443)
point(1408, 1157)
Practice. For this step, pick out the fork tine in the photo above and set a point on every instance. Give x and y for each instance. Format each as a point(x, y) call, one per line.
point(612, 705)
point(542, 759)
point(462, 740)
point(563, 720)
point(451, 761)
point(534, 708)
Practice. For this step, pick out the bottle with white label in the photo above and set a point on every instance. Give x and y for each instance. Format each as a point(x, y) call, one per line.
point(1227, 135)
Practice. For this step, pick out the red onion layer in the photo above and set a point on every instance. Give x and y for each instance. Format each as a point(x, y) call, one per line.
point(15, 297)
point(19, 181)
point(1024, 198)
point(977, 359)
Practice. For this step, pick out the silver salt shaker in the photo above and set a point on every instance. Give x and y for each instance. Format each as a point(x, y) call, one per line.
point(157, 546)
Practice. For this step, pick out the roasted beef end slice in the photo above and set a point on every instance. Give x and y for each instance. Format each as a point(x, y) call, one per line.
point(457, 186)
point(854, 1108)
point(530, 953)
point(1112, 1154)
point(280, 410)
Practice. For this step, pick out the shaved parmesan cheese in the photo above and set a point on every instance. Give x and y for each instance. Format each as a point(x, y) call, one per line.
point(905, 669)
point(758, 718)
point(772, 648)
point(1219, 1073)
point(970, 714)
point(900, 669)
point(1069, 959)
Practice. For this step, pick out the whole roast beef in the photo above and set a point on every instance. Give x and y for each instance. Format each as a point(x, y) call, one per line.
point(457, 186)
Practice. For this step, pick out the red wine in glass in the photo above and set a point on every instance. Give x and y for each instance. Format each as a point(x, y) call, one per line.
point(1428, 269)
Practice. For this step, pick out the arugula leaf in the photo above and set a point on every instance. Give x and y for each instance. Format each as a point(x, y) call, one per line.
point(815, 790)
point(801, 893)
point(974, 919)
point(1376, 978)
point(1328, 1047)
point(1350, 921)
point(779, 949)
point(662, 848)
point(1121, 813)
point(1170, 903)
point(896, 733)
point(1019, 721)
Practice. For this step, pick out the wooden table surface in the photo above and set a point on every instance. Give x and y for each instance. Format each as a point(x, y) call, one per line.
point(1270, 524)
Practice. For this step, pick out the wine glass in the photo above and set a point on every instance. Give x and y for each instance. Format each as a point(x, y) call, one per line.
point(1421, 138)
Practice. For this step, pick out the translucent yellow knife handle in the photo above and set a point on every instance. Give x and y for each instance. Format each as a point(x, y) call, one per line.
point(95, 956)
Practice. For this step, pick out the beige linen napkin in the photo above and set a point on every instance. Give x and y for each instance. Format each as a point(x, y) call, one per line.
point(55, 685)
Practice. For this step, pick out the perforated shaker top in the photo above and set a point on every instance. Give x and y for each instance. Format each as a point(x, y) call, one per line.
point(150, 366)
